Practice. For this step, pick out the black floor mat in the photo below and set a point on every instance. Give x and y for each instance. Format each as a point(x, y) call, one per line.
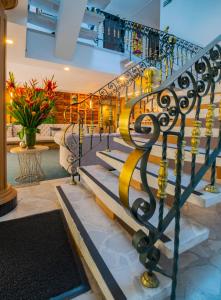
point(37, 260)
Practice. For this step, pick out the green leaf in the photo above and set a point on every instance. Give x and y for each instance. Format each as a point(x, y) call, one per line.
point(21, 133)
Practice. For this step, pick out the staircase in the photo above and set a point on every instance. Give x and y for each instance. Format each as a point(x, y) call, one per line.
point(124, 217)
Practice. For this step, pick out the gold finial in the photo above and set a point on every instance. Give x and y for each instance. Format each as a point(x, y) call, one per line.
point(149, 280)
point(182, 156)
point(162, 179)
point(195, 139)
point(148, 75)
point(210, 120)
point(211, 189)
point(220, 110)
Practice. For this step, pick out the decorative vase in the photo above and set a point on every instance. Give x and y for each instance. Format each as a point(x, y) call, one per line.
point(30, 137)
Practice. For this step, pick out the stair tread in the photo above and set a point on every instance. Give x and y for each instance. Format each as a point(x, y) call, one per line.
point(108, 247)
point(198, 197)
point(171, 147)
point(103, 182)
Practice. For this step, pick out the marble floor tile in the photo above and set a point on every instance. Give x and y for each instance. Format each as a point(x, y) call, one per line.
point(200, 267)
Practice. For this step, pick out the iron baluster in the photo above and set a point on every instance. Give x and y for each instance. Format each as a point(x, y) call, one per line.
point(161, 203)
point(92, 122)
point(209, 133)
point(177, 206)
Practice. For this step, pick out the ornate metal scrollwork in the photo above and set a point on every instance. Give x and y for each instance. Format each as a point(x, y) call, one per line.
point(176, 98)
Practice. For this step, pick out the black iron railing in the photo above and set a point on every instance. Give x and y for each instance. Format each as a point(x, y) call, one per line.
point(177, 96)
point(137, 80)
point(135, 39)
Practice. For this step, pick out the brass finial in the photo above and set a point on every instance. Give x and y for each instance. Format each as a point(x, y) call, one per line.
point(182, 156)
point(149, 280)
point(195, 139)
point(220, 111)
point(210, 120)
point(211, 189)
point(162, 179)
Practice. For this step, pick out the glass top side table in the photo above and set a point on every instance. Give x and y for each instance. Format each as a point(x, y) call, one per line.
point(29, 164)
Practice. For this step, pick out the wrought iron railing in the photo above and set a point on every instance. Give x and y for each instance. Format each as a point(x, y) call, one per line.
point(178, 96)
point(135, 39)
point(137, 80)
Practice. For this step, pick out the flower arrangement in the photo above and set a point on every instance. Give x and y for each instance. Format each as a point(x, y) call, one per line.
point(30, 105)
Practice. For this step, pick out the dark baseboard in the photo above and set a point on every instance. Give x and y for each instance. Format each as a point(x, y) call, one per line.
point(5, 208)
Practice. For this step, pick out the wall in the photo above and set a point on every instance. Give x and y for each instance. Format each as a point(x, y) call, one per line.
point(196, 21)
point(85, 56)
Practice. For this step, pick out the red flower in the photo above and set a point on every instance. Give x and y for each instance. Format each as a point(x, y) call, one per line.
point(42, 117)
point(50, 85)
point(38, 90)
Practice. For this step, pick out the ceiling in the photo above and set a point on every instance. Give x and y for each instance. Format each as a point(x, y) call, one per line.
point(146, 12)
point(74, 80)
point(19, 14)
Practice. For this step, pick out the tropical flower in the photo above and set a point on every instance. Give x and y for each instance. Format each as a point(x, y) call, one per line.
point(30, 103)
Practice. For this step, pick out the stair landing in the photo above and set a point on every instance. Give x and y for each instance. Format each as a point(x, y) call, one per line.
point(106, 247)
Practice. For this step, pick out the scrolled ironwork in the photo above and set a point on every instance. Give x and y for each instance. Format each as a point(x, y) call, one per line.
point(176, 98)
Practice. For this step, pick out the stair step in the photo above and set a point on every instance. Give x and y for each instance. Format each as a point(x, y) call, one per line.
point(106, 248)
point(105, 185)
point(157, 150)
point(199, 197)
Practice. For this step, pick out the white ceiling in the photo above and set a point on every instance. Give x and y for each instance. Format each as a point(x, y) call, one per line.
point(75, 80)
point(146, 12)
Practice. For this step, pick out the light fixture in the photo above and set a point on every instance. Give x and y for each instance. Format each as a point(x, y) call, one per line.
point(122, 78)
point(91, 104)
point(9, 42)
point(67, 69)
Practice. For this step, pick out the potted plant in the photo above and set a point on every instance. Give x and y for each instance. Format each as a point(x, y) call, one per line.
point(30, 106)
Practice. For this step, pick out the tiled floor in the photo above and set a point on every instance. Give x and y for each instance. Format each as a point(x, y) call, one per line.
point(200, 267)
point(41, 198)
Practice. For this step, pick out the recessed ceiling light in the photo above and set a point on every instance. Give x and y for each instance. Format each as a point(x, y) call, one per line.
point(67, 69)
point(10, 42)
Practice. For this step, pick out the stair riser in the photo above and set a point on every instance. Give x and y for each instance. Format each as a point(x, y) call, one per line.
point(171, 152)
point(121, 213)
point(195, 199)
point(116, 280)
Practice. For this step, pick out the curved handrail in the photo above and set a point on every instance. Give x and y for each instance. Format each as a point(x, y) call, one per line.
point(179, 72)
point(149, 61)
point(196, 79)
point(179, 41)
